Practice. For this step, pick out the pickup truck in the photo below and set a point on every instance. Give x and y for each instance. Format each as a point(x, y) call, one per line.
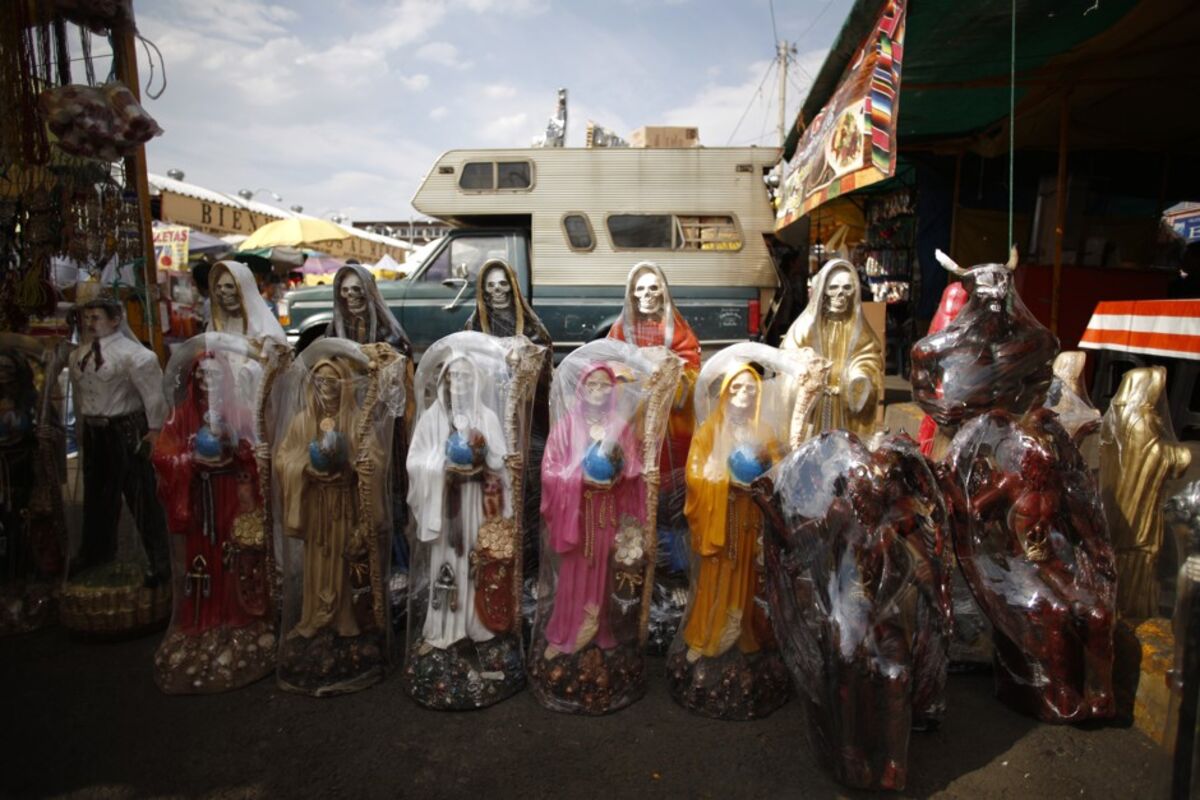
point(438, 296)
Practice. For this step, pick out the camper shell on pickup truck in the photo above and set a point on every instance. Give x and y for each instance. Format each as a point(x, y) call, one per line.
point(572, 222)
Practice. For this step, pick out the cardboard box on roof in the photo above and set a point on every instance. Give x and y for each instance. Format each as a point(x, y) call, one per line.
point(663, 136)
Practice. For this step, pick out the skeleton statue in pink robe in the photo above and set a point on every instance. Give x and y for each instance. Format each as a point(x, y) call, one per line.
point(582, 517)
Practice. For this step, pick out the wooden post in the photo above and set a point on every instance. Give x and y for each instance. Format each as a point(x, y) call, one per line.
point(125, 62)
point(1060, 210)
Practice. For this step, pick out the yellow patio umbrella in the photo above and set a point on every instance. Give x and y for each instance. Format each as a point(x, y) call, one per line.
point(295, 232)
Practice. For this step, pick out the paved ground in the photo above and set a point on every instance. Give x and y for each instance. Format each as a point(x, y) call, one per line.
point(85, 720)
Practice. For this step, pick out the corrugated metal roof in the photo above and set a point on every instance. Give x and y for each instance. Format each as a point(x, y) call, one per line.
point(362, 233)
point(164, 184)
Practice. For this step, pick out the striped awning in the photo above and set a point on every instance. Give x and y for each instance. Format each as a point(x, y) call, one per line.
point(1169, 328)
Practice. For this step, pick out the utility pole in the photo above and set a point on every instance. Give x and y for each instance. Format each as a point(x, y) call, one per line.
point(782, 54)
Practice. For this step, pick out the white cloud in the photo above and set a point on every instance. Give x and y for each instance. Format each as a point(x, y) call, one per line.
point(717, 108)
point(439, 113)
point(414, 83)
point(499, 91)
point(507, 130)
point(239, 20)
point(442, 53)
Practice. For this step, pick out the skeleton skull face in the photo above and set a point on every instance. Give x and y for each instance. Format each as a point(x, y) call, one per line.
point(597, 388)
point(462, 382)
point(743, 391)
point(497, 289)
point(209, 379)
point(991, 286)
point(97, 323)
point(327, 383)
point(649, 293)
point(226, 294)
point(838, 290)
point(353, 294)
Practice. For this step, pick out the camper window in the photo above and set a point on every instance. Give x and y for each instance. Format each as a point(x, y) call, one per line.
point(707, 233)
point(477, 175)
point(513, 175)
point(674, 231)
point(579, 232)
point(489, 176)
point(641, 231)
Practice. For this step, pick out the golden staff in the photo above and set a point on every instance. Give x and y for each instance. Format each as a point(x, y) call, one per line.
point(528, 359)
point(661, 387)
point(381, 355)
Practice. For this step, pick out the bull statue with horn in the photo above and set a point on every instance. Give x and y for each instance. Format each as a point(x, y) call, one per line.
point(995, 354)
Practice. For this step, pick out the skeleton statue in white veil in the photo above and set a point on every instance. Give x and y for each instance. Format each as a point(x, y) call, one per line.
point(456, 469)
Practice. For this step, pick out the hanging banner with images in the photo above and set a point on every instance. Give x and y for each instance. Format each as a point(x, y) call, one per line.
point(851, 143)
point(171, 246)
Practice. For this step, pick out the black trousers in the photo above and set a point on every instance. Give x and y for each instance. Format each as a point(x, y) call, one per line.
point(116, 463)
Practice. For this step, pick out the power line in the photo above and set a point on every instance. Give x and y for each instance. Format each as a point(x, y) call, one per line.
point(774, 30)
point(757, 92)
point(813, 24)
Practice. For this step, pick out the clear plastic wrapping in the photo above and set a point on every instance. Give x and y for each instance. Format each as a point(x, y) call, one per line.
point(1182, 515)
point(1138, 454)
point(465, 489)
point(1032, 542)
point(993, 355)
point(1068, 397)
point(104, 122)
point(32, 448)
point(610, 404)
point(222, 633)
point(859, 590)
point(119, 575)
point(724, 661)
point(650, 318)
point(332, 510)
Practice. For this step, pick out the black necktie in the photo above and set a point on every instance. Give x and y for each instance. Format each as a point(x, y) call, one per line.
point(98, 360)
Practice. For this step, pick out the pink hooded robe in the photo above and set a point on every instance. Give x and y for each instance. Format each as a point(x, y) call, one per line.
point(570, 509)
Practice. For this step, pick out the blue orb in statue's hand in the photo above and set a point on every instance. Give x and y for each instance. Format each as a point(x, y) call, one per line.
point(327, 452)
point(465, 449)
point(207, 443)
point(319, 459)
point(602, 462)
point(747, 462)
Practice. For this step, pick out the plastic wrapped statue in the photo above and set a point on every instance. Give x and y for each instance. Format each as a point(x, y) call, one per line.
point(32, 448)
point(502, 310)
point(119, 404)
point(859, 591)
point(1138, 453)
point(1068, 397)
point(1182, 514)
point(1032, 543)
point(236, 305)
point(222, 632)
point(834, 326)
point(994, 354)
point(465, 473)
point(954, 297)
point(725, 662)
point(650, 319)
point(600, 479)
point(361, 315)
point(334, 409)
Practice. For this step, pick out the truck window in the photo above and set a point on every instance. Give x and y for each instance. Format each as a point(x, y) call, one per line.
point(463, 257)
point(476, 175)
point(641, 230)
point(579, 232)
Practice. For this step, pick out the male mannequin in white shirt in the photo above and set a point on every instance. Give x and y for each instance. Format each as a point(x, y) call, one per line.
point(119, 399)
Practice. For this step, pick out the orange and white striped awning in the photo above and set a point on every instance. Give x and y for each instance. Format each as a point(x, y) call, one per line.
point(1168, 328)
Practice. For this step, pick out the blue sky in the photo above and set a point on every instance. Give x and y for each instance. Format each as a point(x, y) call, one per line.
point(342, 106)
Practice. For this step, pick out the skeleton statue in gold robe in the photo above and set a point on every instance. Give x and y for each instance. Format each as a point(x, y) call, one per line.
point(834, 326)
point(1138, 454)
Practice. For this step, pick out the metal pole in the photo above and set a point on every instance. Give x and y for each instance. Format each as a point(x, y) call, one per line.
point(782, 51)
point(1060, 211)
